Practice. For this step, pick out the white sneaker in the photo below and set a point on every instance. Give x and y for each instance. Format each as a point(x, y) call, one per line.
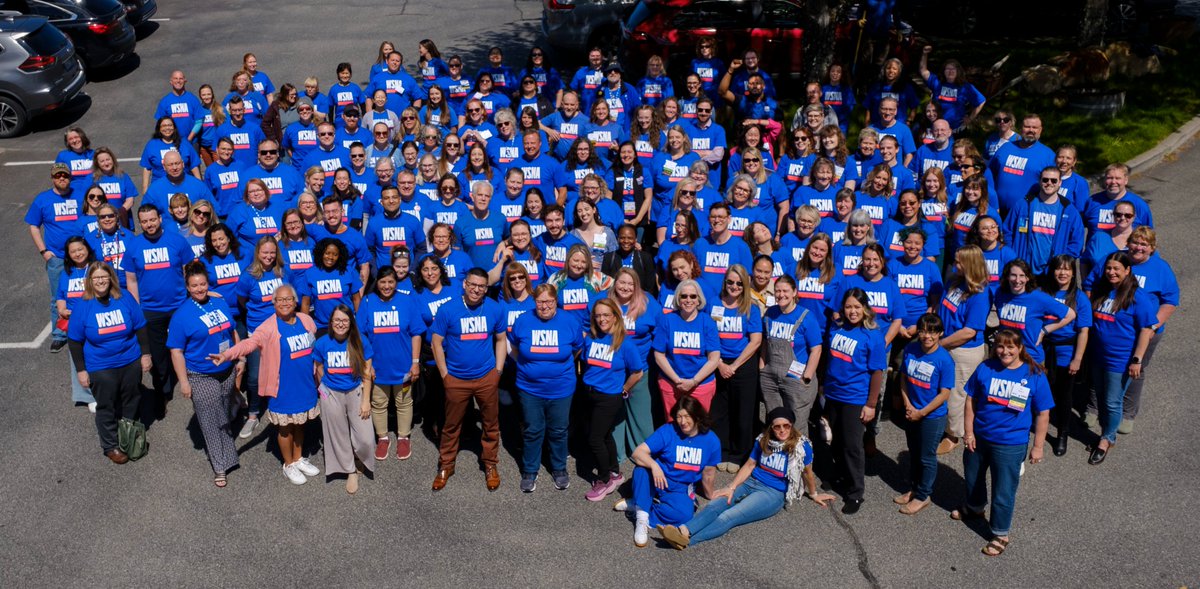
point(92, 406)
point(248, 428)
point(293, 474)
point(641, 530)
point(306, 467)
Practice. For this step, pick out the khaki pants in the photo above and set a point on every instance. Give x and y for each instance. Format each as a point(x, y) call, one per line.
point(966, 360)
point(384, 394)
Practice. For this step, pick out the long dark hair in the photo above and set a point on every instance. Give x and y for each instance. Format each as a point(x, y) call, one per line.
point(1049, 283)
point(419, 279)
point(234, 246)
point(354, 346)
point(1123, 292)
point(697, 412)
point(91, 254)
point(1010, 337)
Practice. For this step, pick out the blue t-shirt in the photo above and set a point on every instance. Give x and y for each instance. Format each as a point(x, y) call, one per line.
point(802, 337)
point(882, 294)
point(959, 310)
point(296, 258)
point(200, 330)
point(467, 336)
point(683, 459)
point(225, 183)
point(1016, 170)
point(734, 328)
point(335, 358)
point(480, 236)
point(58, 216)
point(772, 471)
point(259, 294)
point(926, 375)
point(384, 233)
point(223, 275)
point(284, 184)
point(716, 259)
point(687, 344)
point(1064, 338)
point(605, 369)
point(854, 353)
point(822, 200)
point(1005, 401)
point(158, 266)
point(1115, 333)
point(184, 109)
point(390, 326)
point(70, 286)
point(920, 286)
point(160, 191)
point(1026, 314)
point(814, 295)
point(546, 354)
point(245, 139)
point(640, 330)
point(297, 387)
point(108, 331)
point(326, 289)
point(554, 251)
point(156, 149)
point(250, 223)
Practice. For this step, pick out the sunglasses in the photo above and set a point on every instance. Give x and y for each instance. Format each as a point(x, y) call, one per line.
point(703, 110)
point(358, 156)
point(112, 216)
point(60, 175)
point(326, 134)
point(456, 65)
point(271, 151)
point(752, 160)
point(95, 197)
point(448, 190)
point(733, 283)
point(474, 110)
point(408, 118)
point(1049, 180)
point(1122, 215)
point(201, 213)
point(687, 192)
point(687, 297)
point(1003, 119)
point(383, 133)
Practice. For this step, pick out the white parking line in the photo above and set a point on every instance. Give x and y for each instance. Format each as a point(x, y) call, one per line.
point(48, 162)
point(33, 345)
point(159, 20)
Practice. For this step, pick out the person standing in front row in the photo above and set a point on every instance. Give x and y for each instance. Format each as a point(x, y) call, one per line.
point(470, 347)
point(52, 218)
point(344, 371)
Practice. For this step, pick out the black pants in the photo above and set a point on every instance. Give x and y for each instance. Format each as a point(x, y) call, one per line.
point(606, 410)
point(118, 393)
point(162, 373)
point(847, 448)
point(433, 400)
point(1062, 384)
point(734, 410)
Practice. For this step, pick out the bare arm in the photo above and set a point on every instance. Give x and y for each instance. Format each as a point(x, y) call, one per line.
point(439, 355)
point(131, 284)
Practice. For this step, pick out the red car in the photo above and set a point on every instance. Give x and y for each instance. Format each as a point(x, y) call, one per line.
point(670, 29)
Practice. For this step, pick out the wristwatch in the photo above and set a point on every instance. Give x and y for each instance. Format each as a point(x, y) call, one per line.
point(1135, 360)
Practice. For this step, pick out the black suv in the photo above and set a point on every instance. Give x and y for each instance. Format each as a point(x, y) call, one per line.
point(38, 71)
point(99, 29)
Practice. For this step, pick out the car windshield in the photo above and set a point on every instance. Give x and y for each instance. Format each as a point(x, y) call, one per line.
point(46, 40)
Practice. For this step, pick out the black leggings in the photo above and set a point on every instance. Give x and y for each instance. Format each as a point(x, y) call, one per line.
point(606, 411)
point(1062, 384)
point(734, 410)
point(118, 393)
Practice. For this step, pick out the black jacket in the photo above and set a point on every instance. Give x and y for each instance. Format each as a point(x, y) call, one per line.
point(643, 265)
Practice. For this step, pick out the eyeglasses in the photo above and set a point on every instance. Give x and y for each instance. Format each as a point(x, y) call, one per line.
point(95, 197)
point(1049, 180)
point(455, 65)
point(60, 175)
point(1122, 215)
point(803, 138)
point(429, 137)
point(326, 134)
point(733, 283)
point(687, 297)
point(475, 285)
point(528, 81)
point(454, 144)
point(349, 116)
point(503, 123)
point(536, 54)
point(448, 190)
point(285, 299)
point(112, 216)
point(516, 277)
point(271, 151)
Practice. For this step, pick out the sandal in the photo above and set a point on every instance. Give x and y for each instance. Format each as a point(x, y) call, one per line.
point(219, 480)
point(965, 513)
point(995, 547)
point(913, 507)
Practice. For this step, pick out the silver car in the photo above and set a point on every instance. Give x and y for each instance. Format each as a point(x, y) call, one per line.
point(39, 71)
point(579, 25)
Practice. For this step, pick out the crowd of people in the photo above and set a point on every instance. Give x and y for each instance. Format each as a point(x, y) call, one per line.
point(622, 270)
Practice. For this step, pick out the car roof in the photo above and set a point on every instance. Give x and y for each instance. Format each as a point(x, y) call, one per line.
point(20, 23)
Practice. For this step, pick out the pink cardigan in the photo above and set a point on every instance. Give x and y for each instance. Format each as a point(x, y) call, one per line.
point(266, 338)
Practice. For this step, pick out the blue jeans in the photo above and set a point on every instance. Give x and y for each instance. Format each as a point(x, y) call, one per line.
point(1110, 399)
point(54, 270)
point(1005, 463)
point(752, 501)
point(923, 438)
point(545, 419)
point(78, 393)
point(673, 505)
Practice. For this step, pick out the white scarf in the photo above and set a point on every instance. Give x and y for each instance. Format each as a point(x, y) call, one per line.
point(795, 471)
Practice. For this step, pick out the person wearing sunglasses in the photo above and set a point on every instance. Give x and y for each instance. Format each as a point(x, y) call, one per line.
point(1045, 224)
point(1097, 215)
point(547, 79)
point(1017, 164)
point(351, 131)
point(475, 127)
point(1004, 121)
point(329, 155)
point(455, 86)
point(200, 218)
point(284, 183)
point(300, 137)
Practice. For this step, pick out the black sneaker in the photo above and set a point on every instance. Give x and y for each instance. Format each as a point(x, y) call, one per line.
point(561, 480)
point(57, 345)
point(528, 483)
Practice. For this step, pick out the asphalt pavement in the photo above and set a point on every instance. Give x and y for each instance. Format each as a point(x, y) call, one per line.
point(68, 516)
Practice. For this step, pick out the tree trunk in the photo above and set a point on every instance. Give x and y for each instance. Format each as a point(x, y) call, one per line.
point(1091, 30)
point(819, 51)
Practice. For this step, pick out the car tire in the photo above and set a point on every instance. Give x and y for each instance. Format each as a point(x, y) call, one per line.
point(13, 118)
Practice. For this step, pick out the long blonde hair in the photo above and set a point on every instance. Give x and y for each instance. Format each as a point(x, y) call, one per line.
point(746, 300)
point(618, 331)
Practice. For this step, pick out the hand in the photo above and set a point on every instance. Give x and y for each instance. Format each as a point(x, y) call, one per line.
point(1041, 336)
point(415, 372)
point(726, 492)
point(146, 363)
point(64, 314)
point(239, 369)
point(85, 381)
point(46, 255)
point(687, 384)
point(552, 135)
point(822, 499)
point(216, 359)
point(1135, 371)
point(726, 370)
point(927, 49)
point(364, 410)
point(867, 415)
point(969, 442)
point(735, 64)
point(660, 479)
point(912, 413)
point(1035, 455)
point(185, 389)
point(1073, 367)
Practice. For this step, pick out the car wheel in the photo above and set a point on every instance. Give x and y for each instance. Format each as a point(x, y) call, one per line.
point(12, 117)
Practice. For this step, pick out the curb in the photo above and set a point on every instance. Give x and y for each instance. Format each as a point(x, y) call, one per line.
point(1173, 143)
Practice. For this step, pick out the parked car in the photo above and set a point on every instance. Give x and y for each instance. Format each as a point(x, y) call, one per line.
point(579, 25)
point(773, 28)
point(139, 11)
point(39, 71)
point(98, 28)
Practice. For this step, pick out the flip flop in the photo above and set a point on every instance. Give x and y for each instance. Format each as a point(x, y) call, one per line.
point(995, 547)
